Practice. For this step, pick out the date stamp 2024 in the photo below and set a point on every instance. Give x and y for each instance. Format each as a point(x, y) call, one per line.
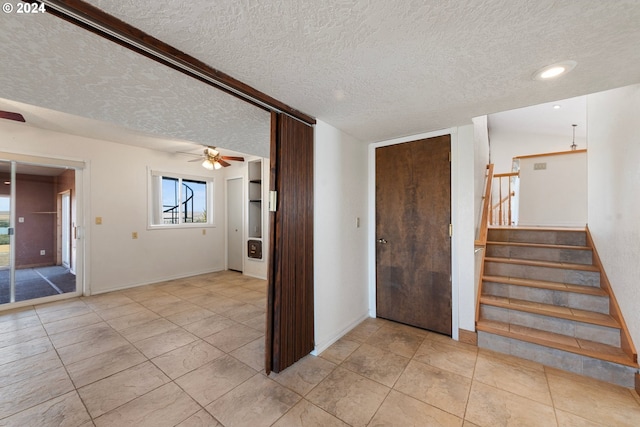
point(22, 8)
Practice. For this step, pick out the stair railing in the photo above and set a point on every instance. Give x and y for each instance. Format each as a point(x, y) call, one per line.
point(480, 244)
point(502, 211)
point(486, 200)
point(172, 211)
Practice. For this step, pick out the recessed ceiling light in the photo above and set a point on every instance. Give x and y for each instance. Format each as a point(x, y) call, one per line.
point(556, 107)
point(554, 70)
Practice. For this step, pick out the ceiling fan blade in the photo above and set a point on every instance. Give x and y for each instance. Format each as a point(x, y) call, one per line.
point(236, 158)
point(12, 116)
point(199, 159)
point(223, 163)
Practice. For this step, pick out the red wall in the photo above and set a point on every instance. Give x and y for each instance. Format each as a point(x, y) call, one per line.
point(36, 203)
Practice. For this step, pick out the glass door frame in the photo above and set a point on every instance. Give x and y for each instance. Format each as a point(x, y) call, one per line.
point(15, 161)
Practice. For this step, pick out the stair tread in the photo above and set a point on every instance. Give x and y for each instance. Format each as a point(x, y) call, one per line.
point(543, 284)
point(552, 264)
point(535, 228)
point(558, 341)
point(574, 314)
point(539, 245)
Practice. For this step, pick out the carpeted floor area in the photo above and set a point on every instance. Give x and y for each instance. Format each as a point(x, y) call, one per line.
point(37, 282)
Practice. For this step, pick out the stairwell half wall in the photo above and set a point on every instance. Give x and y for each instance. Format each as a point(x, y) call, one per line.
point(614, 193)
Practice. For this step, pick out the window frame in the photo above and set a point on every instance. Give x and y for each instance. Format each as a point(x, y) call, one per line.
point(154, 199)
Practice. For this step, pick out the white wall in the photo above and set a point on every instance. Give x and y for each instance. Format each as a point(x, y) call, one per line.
point(507, 145)
point(115, 188)
point(462, 219)
point(614, 193)
point(463, 189)
point(556, 195)
point(340, 247)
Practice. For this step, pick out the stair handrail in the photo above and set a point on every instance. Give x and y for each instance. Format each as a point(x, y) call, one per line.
point(481, 243)
point(486, 203)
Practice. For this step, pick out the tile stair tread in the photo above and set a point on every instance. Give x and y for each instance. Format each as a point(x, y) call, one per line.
point(539, 245)
point(557, 341)
point(574, 314)
point(563, 265)
point(542, 284)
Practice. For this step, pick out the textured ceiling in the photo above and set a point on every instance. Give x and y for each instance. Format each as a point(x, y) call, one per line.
point(375, 69)
point(47, 62)
point(381, 69)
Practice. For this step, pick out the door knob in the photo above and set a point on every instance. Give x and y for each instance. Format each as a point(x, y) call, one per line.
point(383, 241)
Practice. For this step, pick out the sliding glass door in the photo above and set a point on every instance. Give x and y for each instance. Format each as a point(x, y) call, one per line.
point(7, 196)
point(37, 220)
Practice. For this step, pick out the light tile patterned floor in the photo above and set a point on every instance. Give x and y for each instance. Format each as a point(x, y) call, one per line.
point(190, 353)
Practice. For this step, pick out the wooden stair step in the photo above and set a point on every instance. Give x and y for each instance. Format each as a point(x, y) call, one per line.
point(567, 313)
point(534, 228)
point(542, 284)
point(539, 245)
point(550, 264)
point(557, 341)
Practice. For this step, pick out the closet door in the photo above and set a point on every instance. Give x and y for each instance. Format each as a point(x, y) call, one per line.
point(289, 334)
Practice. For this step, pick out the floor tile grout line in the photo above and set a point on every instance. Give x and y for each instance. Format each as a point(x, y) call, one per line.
point(473, 376)
point(63, 365)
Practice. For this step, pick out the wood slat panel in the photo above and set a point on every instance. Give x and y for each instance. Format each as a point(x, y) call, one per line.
point(290, 318)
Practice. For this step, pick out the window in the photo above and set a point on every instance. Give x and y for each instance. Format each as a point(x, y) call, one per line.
point(180, 200)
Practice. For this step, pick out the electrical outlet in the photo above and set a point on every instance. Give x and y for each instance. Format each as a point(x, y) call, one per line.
point(134, 235)
point(204, 231)
point(43, 252)
point(98, 220)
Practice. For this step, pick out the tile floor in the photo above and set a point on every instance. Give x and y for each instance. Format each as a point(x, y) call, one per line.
point(190, 353)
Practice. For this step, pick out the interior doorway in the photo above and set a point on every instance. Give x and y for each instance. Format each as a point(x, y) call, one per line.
point(235, 221)
point(413, 244)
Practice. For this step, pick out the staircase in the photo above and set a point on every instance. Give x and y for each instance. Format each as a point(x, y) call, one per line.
point(542, 300)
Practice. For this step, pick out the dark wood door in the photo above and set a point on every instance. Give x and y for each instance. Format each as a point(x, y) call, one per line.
point(289, 335)
point(413, 246)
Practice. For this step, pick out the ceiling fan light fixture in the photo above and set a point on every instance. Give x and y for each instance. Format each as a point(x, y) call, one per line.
point(216, 165)
point(554, 70)
point(207, 164)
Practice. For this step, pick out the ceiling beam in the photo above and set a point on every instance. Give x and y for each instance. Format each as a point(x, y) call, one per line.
point(101, 23)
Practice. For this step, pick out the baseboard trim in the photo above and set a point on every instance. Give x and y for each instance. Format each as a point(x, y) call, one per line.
point(468, 337)
point(319, 348)
point(152, 281)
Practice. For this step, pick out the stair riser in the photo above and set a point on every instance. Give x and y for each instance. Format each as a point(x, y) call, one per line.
point(583, 365)
point(599, 304)
point(574, 238)
point(575, 277)
point(573, 256)
point(570, 328)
